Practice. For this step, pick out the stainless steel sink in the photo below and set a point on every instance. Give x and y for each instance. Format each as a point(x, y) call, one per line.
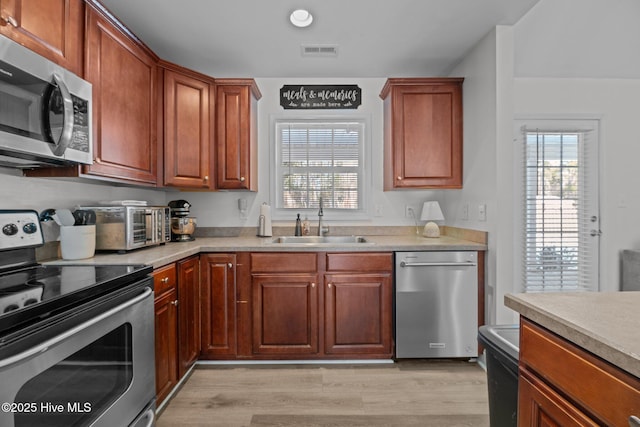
point(319, 240)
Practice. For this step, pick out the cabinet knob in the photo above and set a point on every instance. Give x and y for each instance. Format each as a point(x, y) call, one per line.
point(313, 285)
point(230, 265)
point(329, 285)
point(164, 280)
point(242, 179)
point(399, 178)
point(206, 178)
point(10, 20)
point(174, 303)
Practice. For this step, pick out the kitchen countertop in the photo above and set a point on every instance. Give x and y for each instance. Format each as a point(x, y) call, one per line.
point(158, 256)
point(604, 323)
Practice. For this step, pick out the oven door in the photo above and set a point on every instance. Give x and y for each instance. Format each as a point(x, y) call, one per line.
point(98, 372)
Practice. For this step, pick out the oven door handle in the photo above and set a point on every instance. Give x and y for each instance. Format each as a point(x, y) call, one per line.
point(73, 331)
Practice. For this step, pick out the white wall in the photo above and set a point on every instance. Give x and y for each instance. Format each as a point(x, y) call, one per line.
point(220, 209)
point(17, 192)
point(488, 72)
point(615, 101)
point(578, 58)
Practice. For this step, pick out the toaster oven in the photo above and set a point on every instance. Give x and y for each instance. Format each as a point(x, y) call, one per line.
point(123, 228)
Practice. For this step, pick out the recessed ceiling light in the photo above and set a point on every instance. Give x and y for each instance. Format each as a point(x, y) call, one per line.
point(301, 18)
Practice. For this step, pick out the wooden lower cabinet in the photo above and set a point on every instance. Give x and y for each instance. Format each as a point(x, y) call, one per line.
point(358, 314)
point(561, 384)
point(218, 303)
point(188, 313)
point(177, 322)
point(285, 314)
point(166, 330)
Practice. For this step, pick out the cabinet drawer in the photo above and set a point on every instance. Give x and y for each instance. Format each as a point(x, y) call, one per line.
point(164, 278)
point(579, 375)
point(282, 262)
point(360, 262)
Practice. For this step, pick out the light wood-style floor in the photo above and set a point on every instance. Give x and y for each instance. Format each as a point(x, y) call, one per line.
point(408, 393)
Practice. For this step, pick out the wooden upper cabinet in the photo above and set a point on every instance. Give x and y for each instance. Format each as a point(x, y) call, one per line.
point(123, 73)
point(51, 28)
point(188, 141)
point(422, 133)
point(236, 134)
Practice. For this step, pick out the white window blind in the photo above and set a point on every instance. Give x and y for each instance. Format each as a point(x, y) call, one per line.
point(319, 159)
point(560, 205)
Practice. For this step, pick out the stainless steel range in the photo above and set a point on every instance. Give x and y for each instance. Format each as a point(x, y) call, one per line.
point(76, 341)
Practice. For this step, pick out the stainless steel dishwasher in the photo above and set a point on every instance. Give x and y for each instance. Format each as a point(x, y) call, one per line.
point(436, 304)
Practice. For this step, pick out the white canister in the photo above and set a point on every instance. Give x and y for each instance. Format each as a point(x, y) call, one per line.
point(77, 241)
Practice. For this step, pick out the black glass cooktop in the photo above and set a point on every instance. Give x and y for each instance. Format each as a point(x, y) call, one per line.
point(36, 291)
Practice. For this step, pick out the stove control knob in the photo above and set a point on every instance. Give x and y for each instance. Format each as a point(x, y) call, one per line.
point(30, 228)
point(10, 229)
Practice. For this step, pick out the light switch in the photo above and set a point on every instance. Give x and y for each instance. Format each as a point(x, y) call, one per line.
point(482, 212)
point(465, 211)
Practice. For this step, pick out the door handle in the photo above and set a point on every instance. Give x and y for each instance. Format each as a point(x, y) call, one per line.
point(61, 145)
point(73, 331)
point(438, 264)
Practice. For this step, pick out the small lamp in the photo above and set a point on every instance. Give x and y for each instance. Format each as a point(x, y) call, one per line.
point(431, 212)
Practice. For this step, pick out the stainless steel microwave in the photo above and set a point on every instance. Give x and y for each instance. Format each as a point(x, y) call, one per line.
point(123, 228)
point(45, 111)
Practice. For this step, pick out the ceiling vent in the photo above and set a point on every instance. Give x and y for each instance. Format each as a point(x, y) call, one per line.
point(319, 50)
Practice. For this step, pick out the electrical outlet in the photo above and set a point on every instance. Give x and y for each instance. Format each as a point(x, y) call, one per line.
point(408, 211)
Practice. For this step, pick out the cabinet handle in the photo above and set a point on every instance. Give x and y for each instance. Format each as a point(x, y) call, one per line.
point(242, 302)
point(174, 303)
point(634, 421)
point(242, 179)
point(11, 21)
point(164, 280)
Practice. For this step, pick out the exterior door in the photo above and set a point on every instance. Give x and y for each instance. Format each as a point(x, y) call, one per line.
point(559, 222)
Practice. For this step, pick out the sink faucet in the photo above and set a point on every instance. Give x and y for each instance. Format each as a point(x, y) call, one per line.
point(322, 230)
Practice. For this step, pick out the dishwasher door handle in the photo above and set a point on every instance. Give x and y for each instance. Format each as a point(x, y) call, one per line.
point(438, 264)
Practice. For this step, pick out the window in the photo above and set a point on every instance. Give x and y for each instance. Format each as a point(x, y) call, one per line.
point(559, 220)
point(319, 158)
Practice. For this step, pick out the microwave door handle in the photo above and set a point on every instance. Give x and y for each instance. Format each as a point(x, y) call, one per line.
point(67, 127)
point(73, 331)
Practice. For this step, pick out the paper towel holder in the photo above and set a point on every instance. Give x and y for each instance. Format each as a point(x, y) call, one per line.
point(264, 221)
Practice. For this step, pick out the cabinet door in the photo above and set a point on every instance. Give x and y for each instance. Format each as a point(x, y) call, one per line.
point(218, 303)
point(236, 134)
point(285, 314)
point(423, 133)
point(51, 28)
point(188, 313)
point(187, 137)
point(358, 314)
point(541, 406)
point(166, 342)
point(123, 74)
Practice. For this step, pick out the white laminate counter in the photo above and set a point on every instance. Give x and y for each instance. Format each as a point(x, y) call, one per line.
point(170, 252)
point(605, 323)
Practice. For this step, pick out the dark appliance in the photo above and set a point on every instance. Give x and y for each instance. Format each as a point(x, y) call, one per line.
point(182, 225)
point(45, 111)
point(76, 341)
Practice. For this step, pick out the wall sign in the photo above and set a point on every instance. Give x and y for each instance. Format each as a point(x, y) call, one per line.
point(320, 97)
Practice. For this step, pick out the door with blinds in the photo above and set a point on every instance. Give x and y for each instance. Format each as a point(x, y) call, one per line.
point(559, 224)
